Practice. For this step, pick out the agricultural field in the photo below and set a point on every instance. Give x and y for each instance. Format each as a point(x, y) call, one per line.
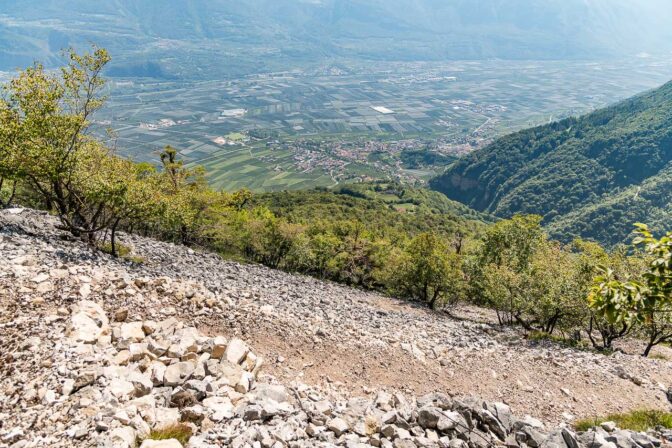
point(259, 169)
point(348, 122)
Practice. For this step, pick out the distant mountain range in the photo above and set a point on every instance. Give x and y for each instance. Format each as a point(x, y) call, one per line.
point(211, 38)
point(592, 176)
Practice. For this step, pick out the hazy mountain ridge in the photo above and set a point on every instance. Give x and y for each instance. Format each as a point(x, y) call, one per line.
point(592, 176)
point(183, 37)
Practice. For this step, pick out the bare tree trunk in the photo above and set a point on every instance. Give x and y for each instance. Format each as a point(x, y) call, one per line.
point(522, 322)
point(552, 322)
point(590, 333)
point(655, 339)
point(12, 195)
point(113, 238)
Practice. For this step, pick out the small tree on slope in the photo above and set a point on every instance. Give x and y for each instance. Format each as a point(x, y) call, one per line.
point(44, 123)
point(647, 302)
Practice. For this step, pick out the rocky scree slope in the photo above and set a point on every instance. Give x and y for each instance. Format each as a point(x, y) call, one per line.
point(98, 352)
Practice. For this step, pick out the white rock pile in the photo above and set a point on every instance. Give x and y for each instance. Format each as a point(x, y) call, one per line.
point(113, 382)
point(117, 381)
point(154, 374)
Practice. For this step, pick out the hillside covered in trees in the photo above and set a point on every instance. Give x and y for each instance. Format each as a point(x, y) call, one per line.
point(591, 176)
point(381, 205)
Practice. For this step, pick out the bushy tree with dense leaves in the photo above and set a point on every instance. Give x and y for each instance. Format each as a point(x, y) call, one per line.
point(428, 270)
point(45, 122)
point(645, 301)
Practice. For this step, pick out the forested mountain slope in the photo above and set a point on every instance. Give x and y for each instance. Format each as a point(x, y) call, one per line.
point(381, 206)
point(591, 176)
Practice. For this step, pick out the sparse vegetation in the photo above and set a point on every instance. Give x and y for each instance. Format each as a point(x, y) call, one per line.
point(121, 251)
point(561, 339)
point(179, 431)
point(640, 420)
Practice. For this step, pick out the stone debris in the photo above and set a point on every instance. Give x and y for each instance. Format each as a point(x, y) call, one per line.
point(107, 355)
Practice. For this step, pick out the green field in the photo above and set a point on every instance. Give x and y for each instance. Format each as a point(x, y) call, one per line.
point(236, 136)
point(245, 168)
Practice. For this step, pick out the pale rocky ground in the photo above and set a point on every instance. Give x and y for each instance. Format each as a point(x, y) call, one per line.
point(96, 351)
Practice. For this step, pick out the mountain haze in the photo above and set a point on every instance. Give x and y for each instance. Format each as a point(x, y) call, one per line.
point(197, 38)
point(592, 176)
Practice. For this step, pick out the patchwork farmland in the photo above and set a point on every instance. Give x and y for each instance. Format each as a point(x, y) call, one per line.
point(353, 121)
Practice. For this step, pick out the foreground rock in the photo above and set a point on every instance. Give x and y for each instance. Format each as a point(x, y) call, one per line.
point(110, 385)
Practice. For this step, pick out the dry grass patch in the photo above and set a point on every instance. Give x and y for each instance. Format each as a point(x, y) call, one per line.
point(641, 420)
point(179, 431)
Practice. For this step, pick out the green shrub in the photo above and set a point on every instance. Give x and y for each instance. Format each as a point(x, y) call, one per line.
point(641, 420)
point(538, 336)
point(543, 336)
point(123, 251)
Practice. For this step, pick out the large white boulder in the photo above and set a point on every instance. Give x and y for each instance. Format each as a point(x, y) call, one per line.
point(236, 351)
point(178, 373)
point(88, 322)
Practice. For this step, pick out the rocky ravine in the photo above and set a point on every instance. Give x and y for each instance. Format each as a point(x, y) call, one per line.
point(96, 352)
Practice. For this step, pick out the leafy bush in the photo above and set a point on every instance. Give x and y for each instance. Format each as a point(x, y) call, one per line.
point(527, 279)
point(647, 302)
point(428, 270)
